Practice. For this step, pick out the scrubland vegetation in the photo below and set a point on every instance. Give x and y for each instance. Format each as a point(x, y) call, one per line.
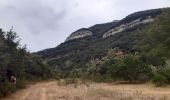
point(16, 61)
point(148, 62)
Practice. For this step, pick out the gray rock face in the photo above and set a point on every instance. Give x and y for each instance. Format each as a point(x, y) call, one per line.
point(79, 34)
point(132, 24)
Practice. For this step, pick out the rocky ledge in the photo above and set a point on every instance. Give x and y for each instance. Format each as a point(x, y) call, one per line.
point(129, 25)
point(79, 34)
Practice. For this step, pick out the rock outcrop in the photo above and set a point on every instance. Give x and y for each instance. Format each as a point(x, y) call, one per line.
point(126, 26)
point(79, 34)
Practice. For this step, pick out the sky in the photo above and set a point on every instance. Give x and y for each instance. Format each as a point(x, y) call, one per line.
point(43, 24)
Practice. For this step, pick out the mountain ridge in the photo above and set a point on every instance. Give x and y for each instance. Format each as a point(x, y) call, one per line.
point(81, 50)
point(102, 28)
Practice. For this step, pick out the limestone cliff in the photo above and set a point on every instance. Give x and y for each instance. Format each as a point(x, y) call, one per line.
point(126, 26)
point(79, 34)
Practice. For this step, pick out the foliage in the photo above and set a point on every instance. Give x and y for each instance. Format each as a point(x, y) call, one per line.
point(88, 58)
point(16, 61)
point(81, 51)
point(159, 80)
point(6, 88)
point(127, 68)
point(131, 69)
point(155, 48)
point(152, 56)
point(155, 45)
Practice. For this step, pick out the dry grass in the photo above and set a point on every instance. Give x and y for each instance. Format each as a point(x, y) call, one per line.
point(90, 91)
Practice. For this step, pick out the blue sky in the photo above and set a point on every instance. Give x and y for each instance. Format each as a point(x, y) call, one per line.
point(43, 24)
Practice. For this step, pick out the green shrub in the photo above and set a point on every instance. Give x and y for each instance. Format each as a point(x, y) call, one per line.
point(6, 88)
point(17, 61)
point(166, 73)
point(159, 80)
point(71, 81)
point(130, 69)
point(21, 83)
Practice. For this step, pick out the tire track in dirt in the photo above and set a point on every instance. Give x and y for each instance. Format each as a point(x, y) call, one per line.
point(94, 91)
point(43, 94)
point(24, 96)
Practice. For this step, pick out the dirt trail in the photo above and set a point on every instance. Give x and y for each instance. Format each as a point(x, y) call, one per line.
point(90, 91)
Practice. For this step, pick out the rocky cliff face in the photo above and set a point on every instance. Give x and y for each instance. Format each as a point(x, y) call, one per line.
point(129, 25)
point(107, 29)
point(79, 34)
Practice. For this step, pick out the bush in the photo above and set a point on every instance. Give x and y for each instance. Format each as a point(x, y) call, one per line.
point(159, 80)
point(71, 81)
point(6, 88)
point(21, 83)
point(17, 61)
point(130, 69)
point(166, 73)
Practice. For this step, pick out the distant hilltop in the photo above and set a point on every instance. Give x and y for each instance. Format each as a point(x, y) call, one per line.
point(87, 44)
point(117, 26)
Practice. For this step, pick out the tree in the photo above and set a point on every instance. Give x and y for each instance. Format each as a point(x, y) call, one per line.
point(16, 61)
point(131, 69)
point(155, 46)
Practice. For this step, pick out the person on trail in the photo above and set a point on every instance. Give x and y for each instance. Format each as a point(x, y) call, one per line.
point(13, 79)
point(11, 76)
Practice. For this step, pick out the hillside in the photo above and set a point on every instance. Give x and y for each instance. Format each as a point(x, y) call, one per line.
point(87, 44)
point(135, 49)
